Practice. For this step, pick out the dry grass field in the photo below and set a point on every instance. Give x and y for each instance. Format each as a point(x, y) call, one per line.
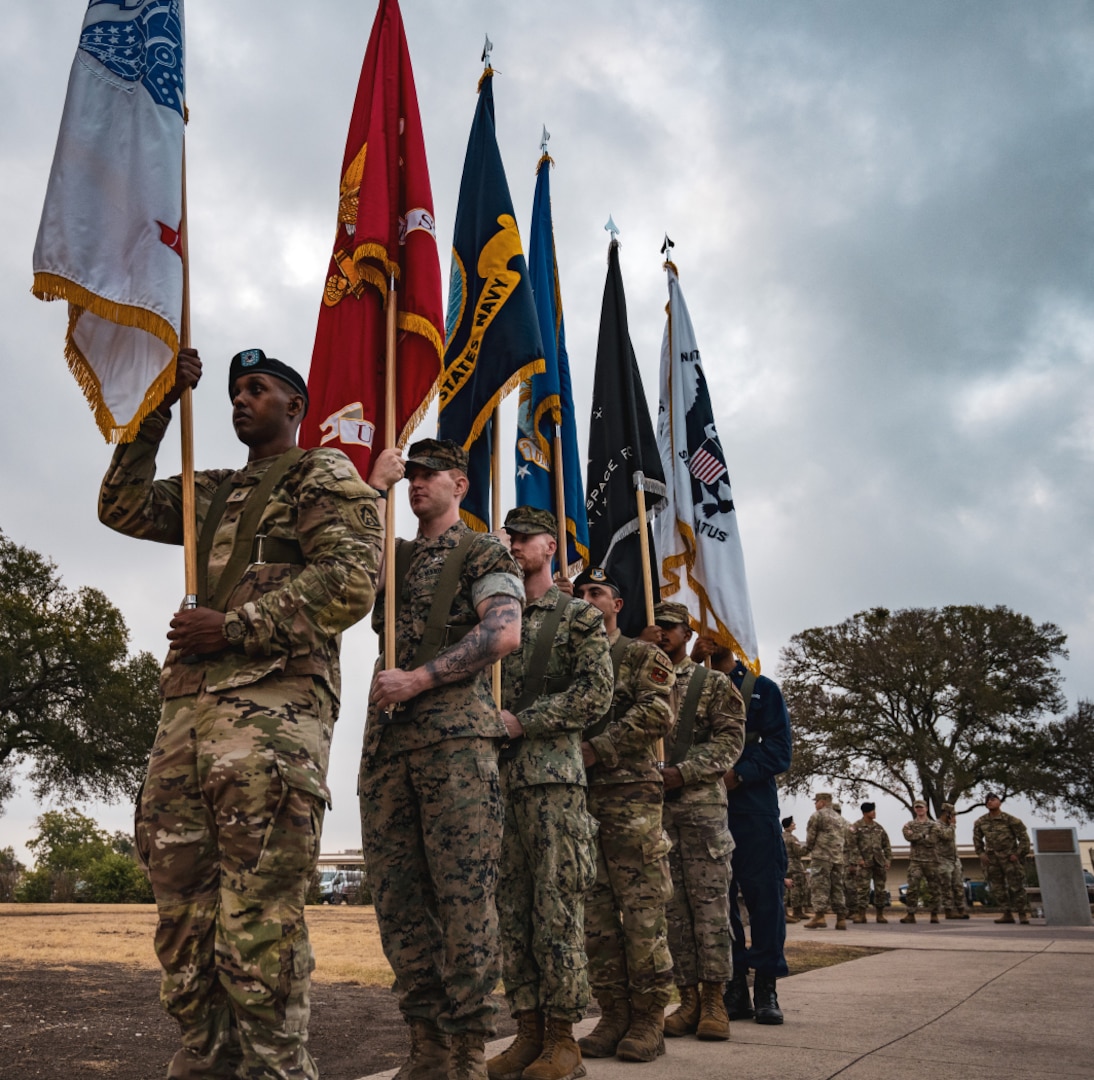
point(345, 940)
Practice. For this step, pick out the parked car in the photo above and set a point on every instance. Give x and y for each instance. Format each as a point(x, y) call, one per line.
point(976, 892)
point(1088, 881)
point(339, 886)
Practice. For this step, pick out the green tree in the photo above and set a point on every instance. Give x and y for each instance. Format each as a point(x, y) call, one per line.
point(937, 704)
point(72, 702)
point(67, 841)
point(11, 872)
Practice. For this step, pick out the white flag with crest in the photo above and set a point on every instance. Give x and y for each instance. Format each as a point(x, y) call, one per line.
point(702, 561)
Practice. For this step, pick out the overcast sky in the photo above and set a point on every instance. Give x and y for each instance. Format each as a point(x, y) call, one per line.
point(884, 224)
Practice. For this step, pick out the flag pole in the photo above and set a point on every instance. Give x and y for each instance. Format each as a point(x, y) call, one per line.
point(560, 505)
point(495, 514)
point(186, 415)
point(391, 305)
point(644, 543)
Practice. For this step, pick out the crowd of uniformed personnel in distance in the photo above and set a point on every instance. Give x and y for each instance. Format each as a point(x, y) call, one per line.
point(595, 836)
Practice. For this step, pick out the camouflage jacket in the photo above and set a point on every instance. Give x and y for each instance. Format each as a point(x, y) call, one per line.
point(794, 852)
point(641, 714)
point(459, 710)
point(947, 841)
point(719, 735)
point(293, 614)
point(872, 842)
point(1001, 836)
point(922, 836)
point(550, 752)
point(850, 847)
point(824, 836)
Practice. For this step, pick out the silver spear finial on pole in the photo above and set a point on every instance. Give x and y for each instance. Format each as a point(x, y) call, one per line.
point(487, 49)
point(544, 140)
point(612, 228)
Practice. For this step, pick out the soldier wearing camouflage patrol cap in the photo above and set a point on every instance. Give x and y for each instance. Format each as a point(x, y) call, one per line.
point(626, 931)
point(231, 809)
point(706, 739)
point(553, 686)
point(824, 839)
point(431, 811)
point(950, 872)
point(922, 834)
point(1002, 842)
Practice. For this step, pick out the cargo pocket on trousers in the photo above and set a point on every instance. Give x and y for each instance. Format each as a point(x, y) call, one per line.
point(583, 832)
point(655, 856)
point(290, 841)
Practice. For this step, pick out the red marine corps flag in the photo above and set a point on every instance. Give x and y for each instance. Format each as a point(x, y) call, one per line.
point(385, 230)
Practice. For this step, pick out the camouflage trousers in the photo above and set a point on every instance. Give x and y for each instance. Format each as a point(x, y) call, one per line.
point(952, 878)
point(920, 871)
point(1008, 884)
point(626, 933)
point(228, 822)
point(698, 913)
point(431, 838)
point(548, 863)
point(826, 887)
point(798, 896)
point(876, 873)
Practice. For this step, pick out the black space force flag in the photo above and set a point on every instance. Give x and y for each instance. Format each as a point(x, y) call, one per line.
point(621, 445)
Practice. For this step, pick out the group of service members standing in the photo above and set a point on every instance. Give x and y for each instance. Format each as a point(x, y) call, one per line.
point(849, 863)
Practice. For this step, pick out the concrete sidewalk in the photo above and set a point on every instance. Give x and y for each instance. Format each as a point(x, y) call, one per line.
point(969, 1000)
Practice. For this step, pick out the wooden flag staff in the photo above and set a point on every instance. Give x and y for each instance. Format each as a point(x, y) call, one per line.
point(186, 415)
point(391, 307)
point(560, 505)
point(495, 512)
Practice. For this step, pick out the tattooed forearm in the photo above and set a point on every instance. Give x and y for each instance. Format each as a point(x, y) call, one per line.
point(496, 635)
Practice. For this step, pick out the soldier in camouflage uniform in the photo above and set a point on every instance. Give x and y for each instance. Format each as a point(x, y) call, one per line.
point(797, 897)
point(922, 835)
point(556, 684)
point(1002, 842)
point(229, 816)
point(824, 846)
point(875, 856)
point(695, 820)
point(850, 864)
point(626, 933)
point(431, 811)
point(950, 872)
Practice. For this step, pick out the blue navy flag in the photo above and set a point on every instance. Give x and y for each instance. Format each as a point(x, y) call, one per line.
point(621, 447)
point(492, 333)
point(702, 559)
point(547, 400)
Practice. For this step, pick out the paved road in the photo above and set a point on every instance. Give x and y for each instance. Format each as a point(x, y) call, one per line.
point(958, 1001)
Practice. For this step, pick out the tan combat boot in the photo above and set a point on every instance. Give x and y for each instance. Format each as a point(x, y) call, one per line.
point(881, 916)
point(429, 1052)
point(645, 1038)
point(818, 922)
point(909, 918)
point(1023, 919)
point(799, 913)
point(791, 918)
point(713, 1018)
point(1006, 917)
point(841, 922)
point(468, 1060)
point(522, 1051)
point(685, 1019)
point(859, 917)
point(560, 1058)
point(934, 917)
point(615, 1019)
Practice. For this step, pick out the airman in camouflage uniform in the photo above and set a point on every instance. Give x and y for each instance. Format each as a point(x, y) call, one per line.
point(950, 872)
point(626, 933)
point(850, 860)
point(875, 856)
point(431, 811)
point(824, 846)
point(548, 854)
point(230, 813)
point(1002, 842)
point(696, 823)
point(922, 835)
point(797, 898)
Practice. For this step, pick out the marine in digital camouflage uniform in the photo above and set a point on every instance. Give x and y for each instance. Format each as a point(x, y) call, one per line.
point(431, 812)
point(824, 841)
point(548, 858)
point(950, 872)
point(626, 932)
point(922, 834)
point(230, 812)
point(797, 897)
point(875, 855)
point(1002, 842)
point(695, 820)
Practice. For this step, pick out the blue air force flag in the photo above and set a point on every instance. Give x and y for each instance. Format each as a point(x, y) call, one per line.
point(492, 335)
point(702, 561)
point(547, 399)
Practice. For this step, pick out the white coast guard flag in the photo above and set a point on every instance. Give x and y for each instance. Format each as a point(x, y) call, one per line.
point(702, 562)
point(108, 242)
